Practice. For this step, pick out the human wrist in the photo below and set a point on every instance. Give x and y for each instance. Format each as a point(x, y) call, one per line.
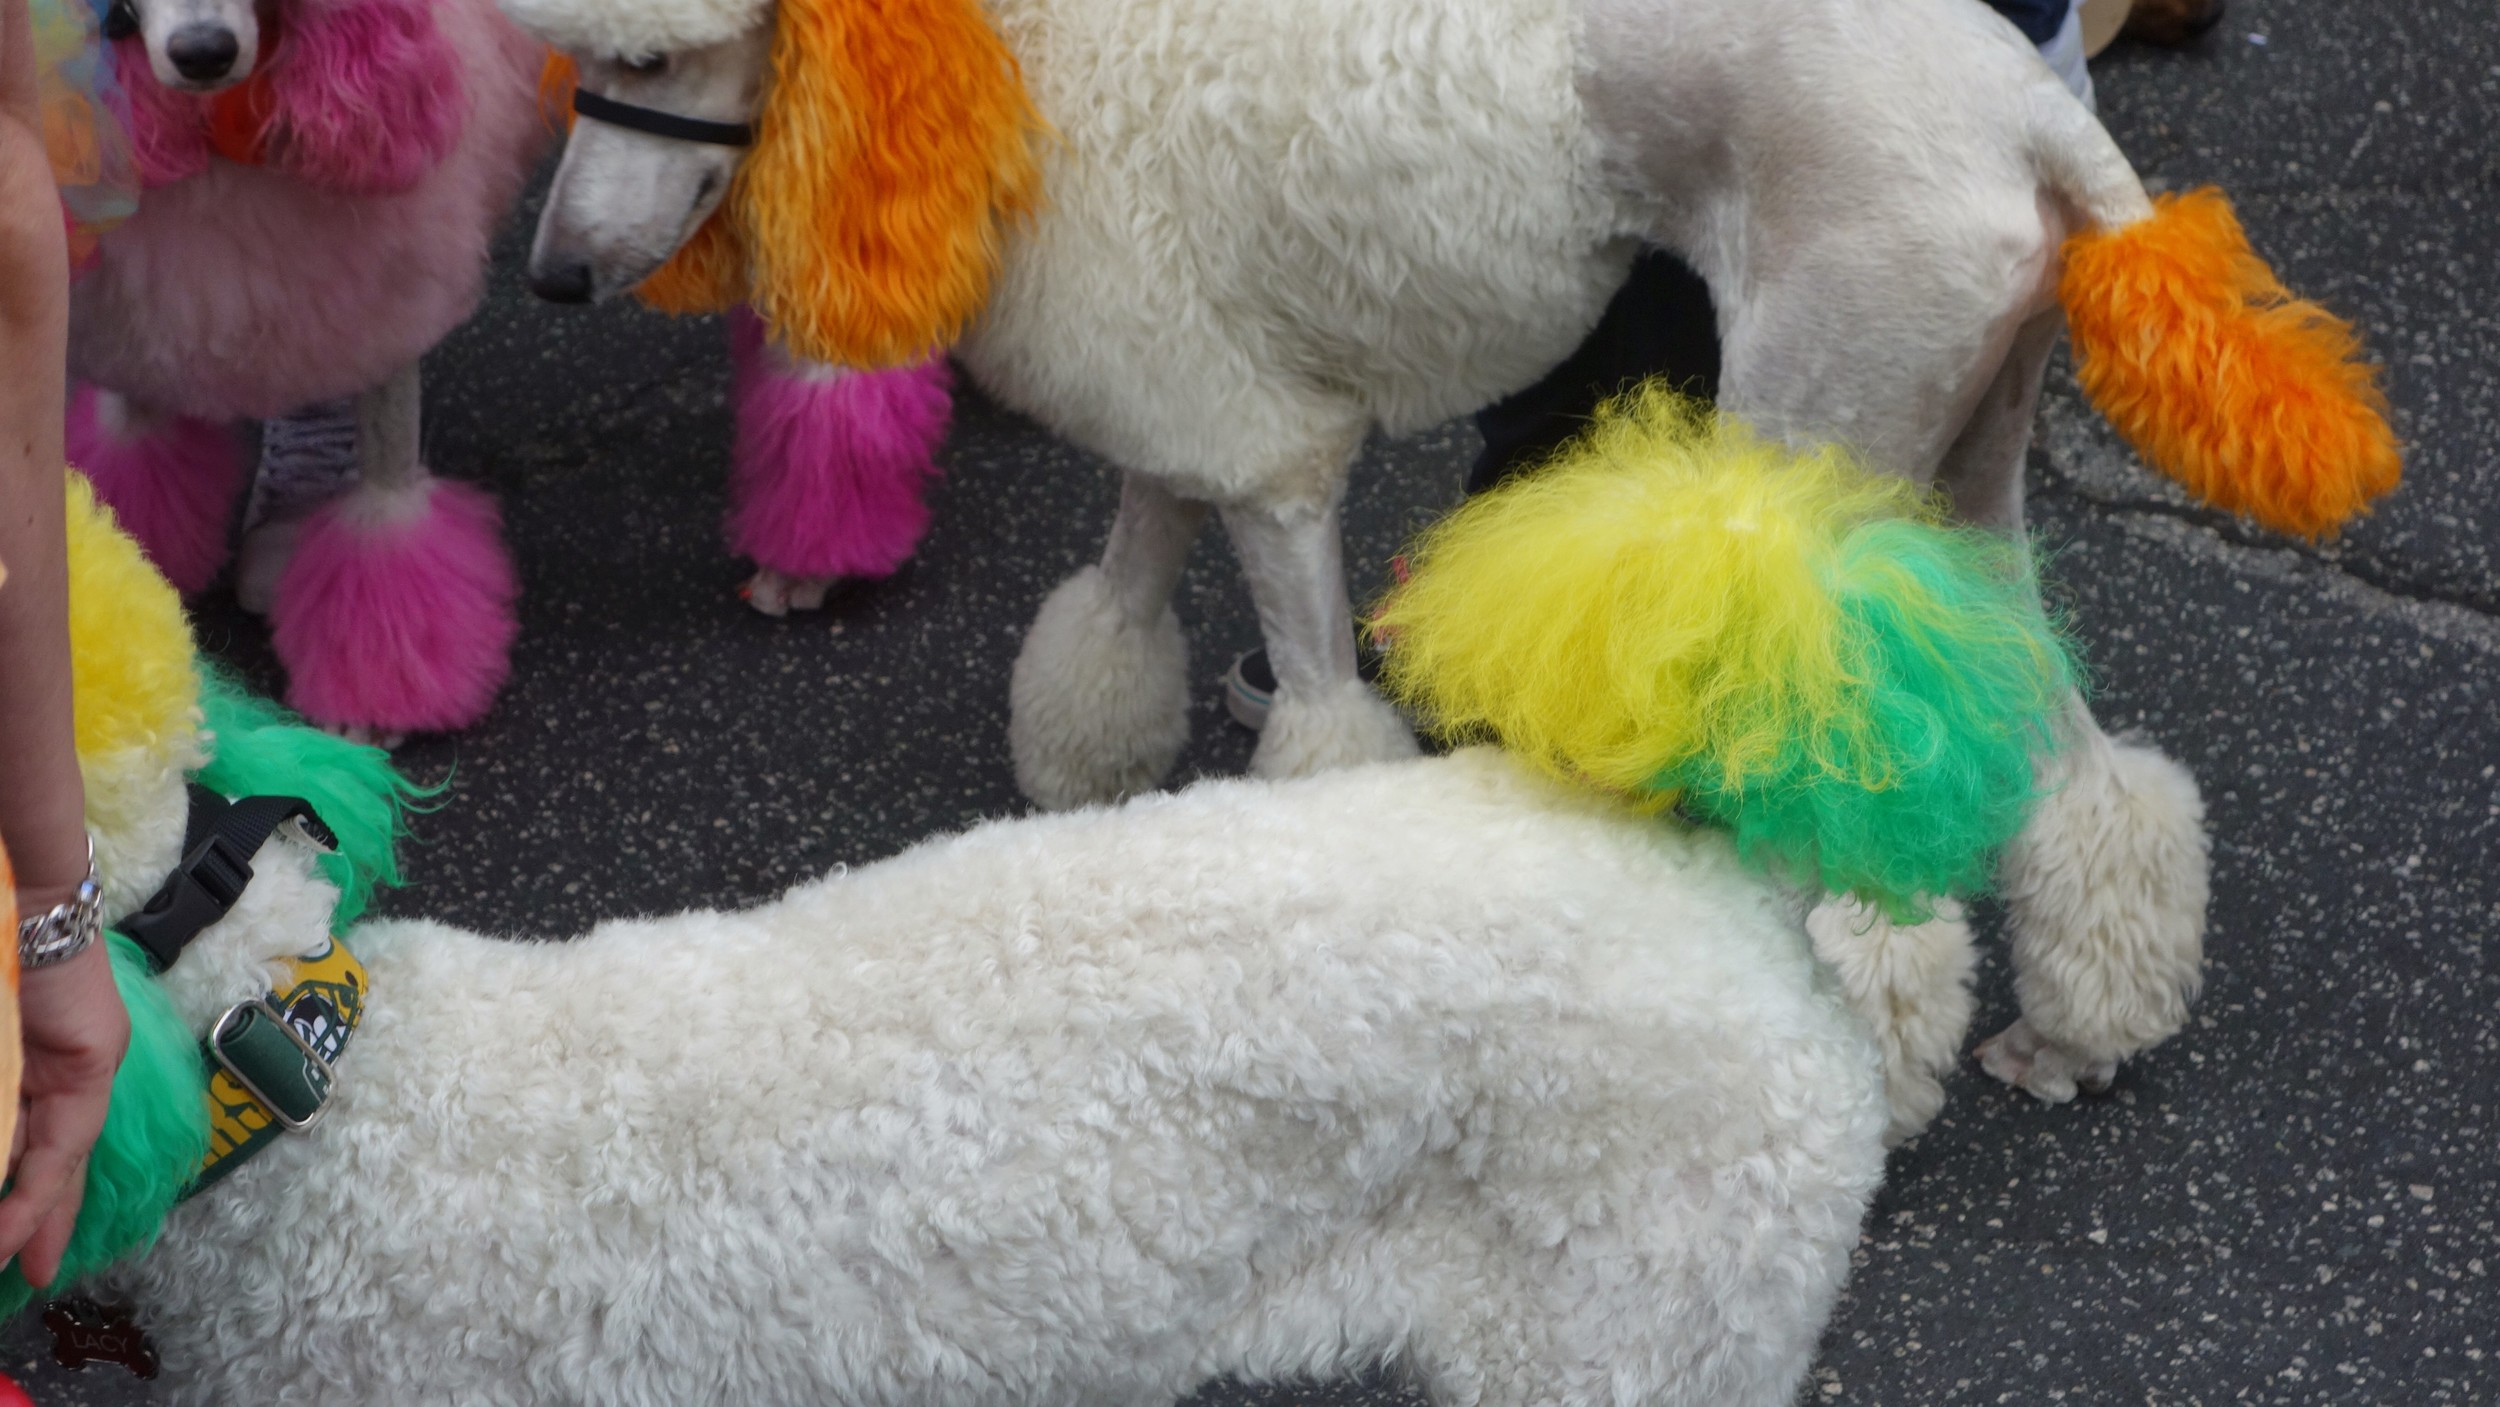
point(35, 898)
point(50, 876)
point(45, 827)
point(69, 972)
point(52, 930)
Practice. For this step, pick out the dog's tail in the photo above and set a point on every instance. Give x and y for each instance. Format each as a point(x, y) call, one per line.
point(1686, 614)
point(2258, 402)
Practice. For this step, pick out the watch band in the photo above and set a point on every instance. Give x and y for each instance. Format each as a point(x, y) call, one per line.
point(66, 929)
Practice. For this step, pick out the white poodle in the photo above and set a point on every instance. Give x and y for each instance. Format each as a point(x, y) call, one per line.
point(1431, 1063)
point(1513, 1085)
point(1265, 228)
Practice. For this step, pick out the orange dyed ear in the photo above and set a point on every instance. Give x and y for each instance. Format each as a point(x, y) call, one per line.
point(895, 143)
point(708, 273)
point(557, 78)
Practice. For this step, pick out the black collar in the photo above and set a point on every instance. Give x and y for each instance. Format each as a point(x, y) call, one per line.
point(662, 124)
point(219, 839)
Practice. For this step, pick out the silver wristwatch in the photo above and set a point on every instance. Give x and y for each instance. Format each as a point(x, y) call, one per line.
point(65, 930)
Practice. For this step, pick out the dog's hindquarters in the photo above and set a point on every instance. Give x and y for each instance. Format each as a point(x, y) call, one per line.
point(1892, 282)
point(1667, 1237)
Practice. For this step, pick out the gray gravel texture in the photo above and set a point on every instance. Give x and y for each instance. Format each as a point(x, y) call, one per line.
point(2296, 1201)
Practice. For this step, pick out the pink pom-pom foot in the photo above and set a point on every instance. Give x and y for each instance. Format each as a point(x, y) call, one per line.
point(171, 483)
point(395, 613)
point(831, 466)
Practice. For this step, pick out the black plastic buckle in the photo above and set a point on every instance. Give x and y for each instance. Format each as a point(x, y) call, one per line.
point(198, 893)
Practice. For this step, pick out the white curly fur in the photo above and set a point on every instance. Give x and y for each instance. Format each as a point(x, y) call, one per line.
point(135, 816)
point(1098, 703)
point(1337, 725)
point(1911, 983)
point(1432, 1064)
point(1274, 225)
point(2107, 889)
point(643, 29)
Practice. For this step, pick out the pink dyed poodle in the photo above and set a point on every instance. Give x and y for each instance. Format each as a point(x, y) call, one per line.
point(319, 195)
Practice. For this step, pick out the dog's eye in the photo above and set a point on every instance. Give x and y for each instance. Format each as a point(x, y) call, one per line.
point(648, 65)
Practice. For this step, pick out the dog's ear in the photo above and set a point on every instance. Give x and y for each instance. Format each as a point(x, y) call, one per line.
point(708, 273)
point(894, 145)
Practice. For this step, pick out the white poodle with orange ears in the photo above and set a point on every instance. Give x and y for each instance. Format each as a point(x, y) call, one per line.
point(1488, 1069)
point(1221, 241)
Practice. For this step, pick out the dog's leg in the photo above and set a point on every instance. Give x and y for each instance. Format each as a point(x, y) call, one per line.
point(1911, 984)
point(1098, 704)
point(394, 615)
point(307, 458)
point(830, 468)
point(1324, 715)
point(2106, 891)
point(170, 480)
point(2106, 885)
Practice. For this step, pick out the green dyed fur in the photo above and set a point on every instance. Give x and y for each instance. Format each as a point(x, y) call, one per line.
point(1912, 788)
point(153, 1139)
point(157, 1130)
point(259, 749)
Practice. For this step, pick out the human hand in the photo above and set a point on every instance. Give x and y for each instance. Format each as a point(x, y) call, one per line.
point(75, 1032)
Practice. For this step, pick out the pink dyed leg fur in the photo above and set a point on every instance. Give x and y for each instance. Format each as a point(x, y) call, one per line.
point(395, 613)
point(171, 484)
point(830, 466)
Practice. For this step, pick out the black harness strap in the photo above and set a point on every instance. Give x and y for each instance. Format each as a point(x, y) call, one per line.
point(218, 842)
point(662, 124)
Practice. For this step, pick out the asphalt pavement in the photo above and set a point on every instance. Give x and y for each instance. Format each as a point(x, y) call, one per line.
point(2295, 1201)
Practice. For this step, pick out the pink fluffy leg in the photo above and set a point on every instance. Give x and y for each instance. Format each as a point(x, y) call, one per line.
point(172, 484)
point(395, 613)
point(830, 466)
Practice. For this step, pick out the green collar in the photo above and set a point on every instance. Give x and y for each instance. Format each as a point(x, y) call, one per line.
point(271, 1062)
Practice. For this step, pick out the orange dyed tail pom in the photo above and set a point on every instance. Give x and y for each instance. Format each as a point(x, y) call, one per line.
point(2258, 402)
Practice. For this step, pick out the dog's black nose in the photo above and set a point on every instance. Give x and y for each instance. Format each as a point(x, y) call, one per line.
point(562, 283)
point(203, 53)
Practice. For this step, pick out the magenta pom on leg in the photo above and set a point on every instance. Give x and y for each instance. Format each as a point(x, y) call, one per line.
point(171, 481)
point(830, 468)
point(395, 614)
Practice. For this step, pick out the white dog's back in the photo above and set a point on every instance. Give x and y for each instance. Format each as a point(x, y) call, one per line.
point(1434, 1063)
point(1371, 208)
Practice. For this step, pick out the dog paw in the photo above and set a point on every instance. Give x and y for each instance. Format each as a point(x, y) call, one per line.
point(2020, 1056)
point(1098, 703)
point(1344, 725)
point(775, 595)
